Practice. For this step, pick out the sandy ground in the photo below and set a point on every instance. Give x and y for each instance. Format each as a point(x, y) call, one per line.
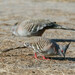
point(21, 61)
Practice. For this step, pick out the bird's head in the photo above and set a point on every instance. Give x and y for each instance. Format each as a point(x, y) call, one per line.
point(62, 50)
point(13, 29)
point(28, 45)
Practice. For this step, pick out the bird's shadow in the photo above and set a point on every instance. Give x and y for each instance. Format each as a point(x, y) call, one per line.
point(63, 40)
point(59, 58)
point(62, 58)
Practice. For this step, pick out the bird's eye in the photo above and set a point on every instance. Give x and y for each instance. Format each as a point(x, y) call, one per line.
point(61, 50)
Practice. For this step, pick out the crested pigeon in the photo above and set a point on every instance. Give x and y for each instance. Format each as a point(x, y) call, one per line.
point(44, 47)
point(33, 27)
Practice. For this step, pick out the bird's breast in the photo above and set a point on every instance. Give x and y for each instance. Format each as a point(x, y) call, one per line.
point(23, 32)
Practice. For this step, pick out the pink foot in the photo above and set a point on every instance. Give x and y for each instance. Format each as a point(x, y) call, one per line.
point(45, 58)
point(35, 56)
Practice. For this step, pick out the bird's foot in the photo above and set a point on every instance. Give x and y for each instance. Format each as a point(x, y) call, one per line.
point(45, 58)
point(35, 56)
point(42, 57)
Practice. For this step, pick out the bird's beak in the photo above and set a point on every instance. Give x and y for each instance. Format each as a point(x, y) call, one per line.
point(63, 55)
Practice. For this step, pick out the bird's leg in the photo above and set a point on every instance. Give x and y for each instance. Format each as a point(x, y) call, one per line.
point(35, 56)
point(45, 58)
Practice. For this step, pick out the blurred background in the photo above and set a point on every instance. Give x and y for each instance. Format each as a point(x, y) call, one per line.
point(62, 11)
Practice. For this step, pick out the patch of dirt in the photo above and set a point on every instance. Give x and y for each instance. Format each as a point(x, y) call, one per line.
point(21, 61)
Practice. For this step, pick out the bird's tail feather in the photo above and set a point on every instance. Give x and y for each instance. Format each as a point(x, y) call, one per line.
point(56, 26)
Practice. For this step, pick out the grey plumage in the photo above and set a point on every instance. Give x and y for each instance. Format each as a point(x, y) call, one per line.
point(45, 47)
point(32, 27)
